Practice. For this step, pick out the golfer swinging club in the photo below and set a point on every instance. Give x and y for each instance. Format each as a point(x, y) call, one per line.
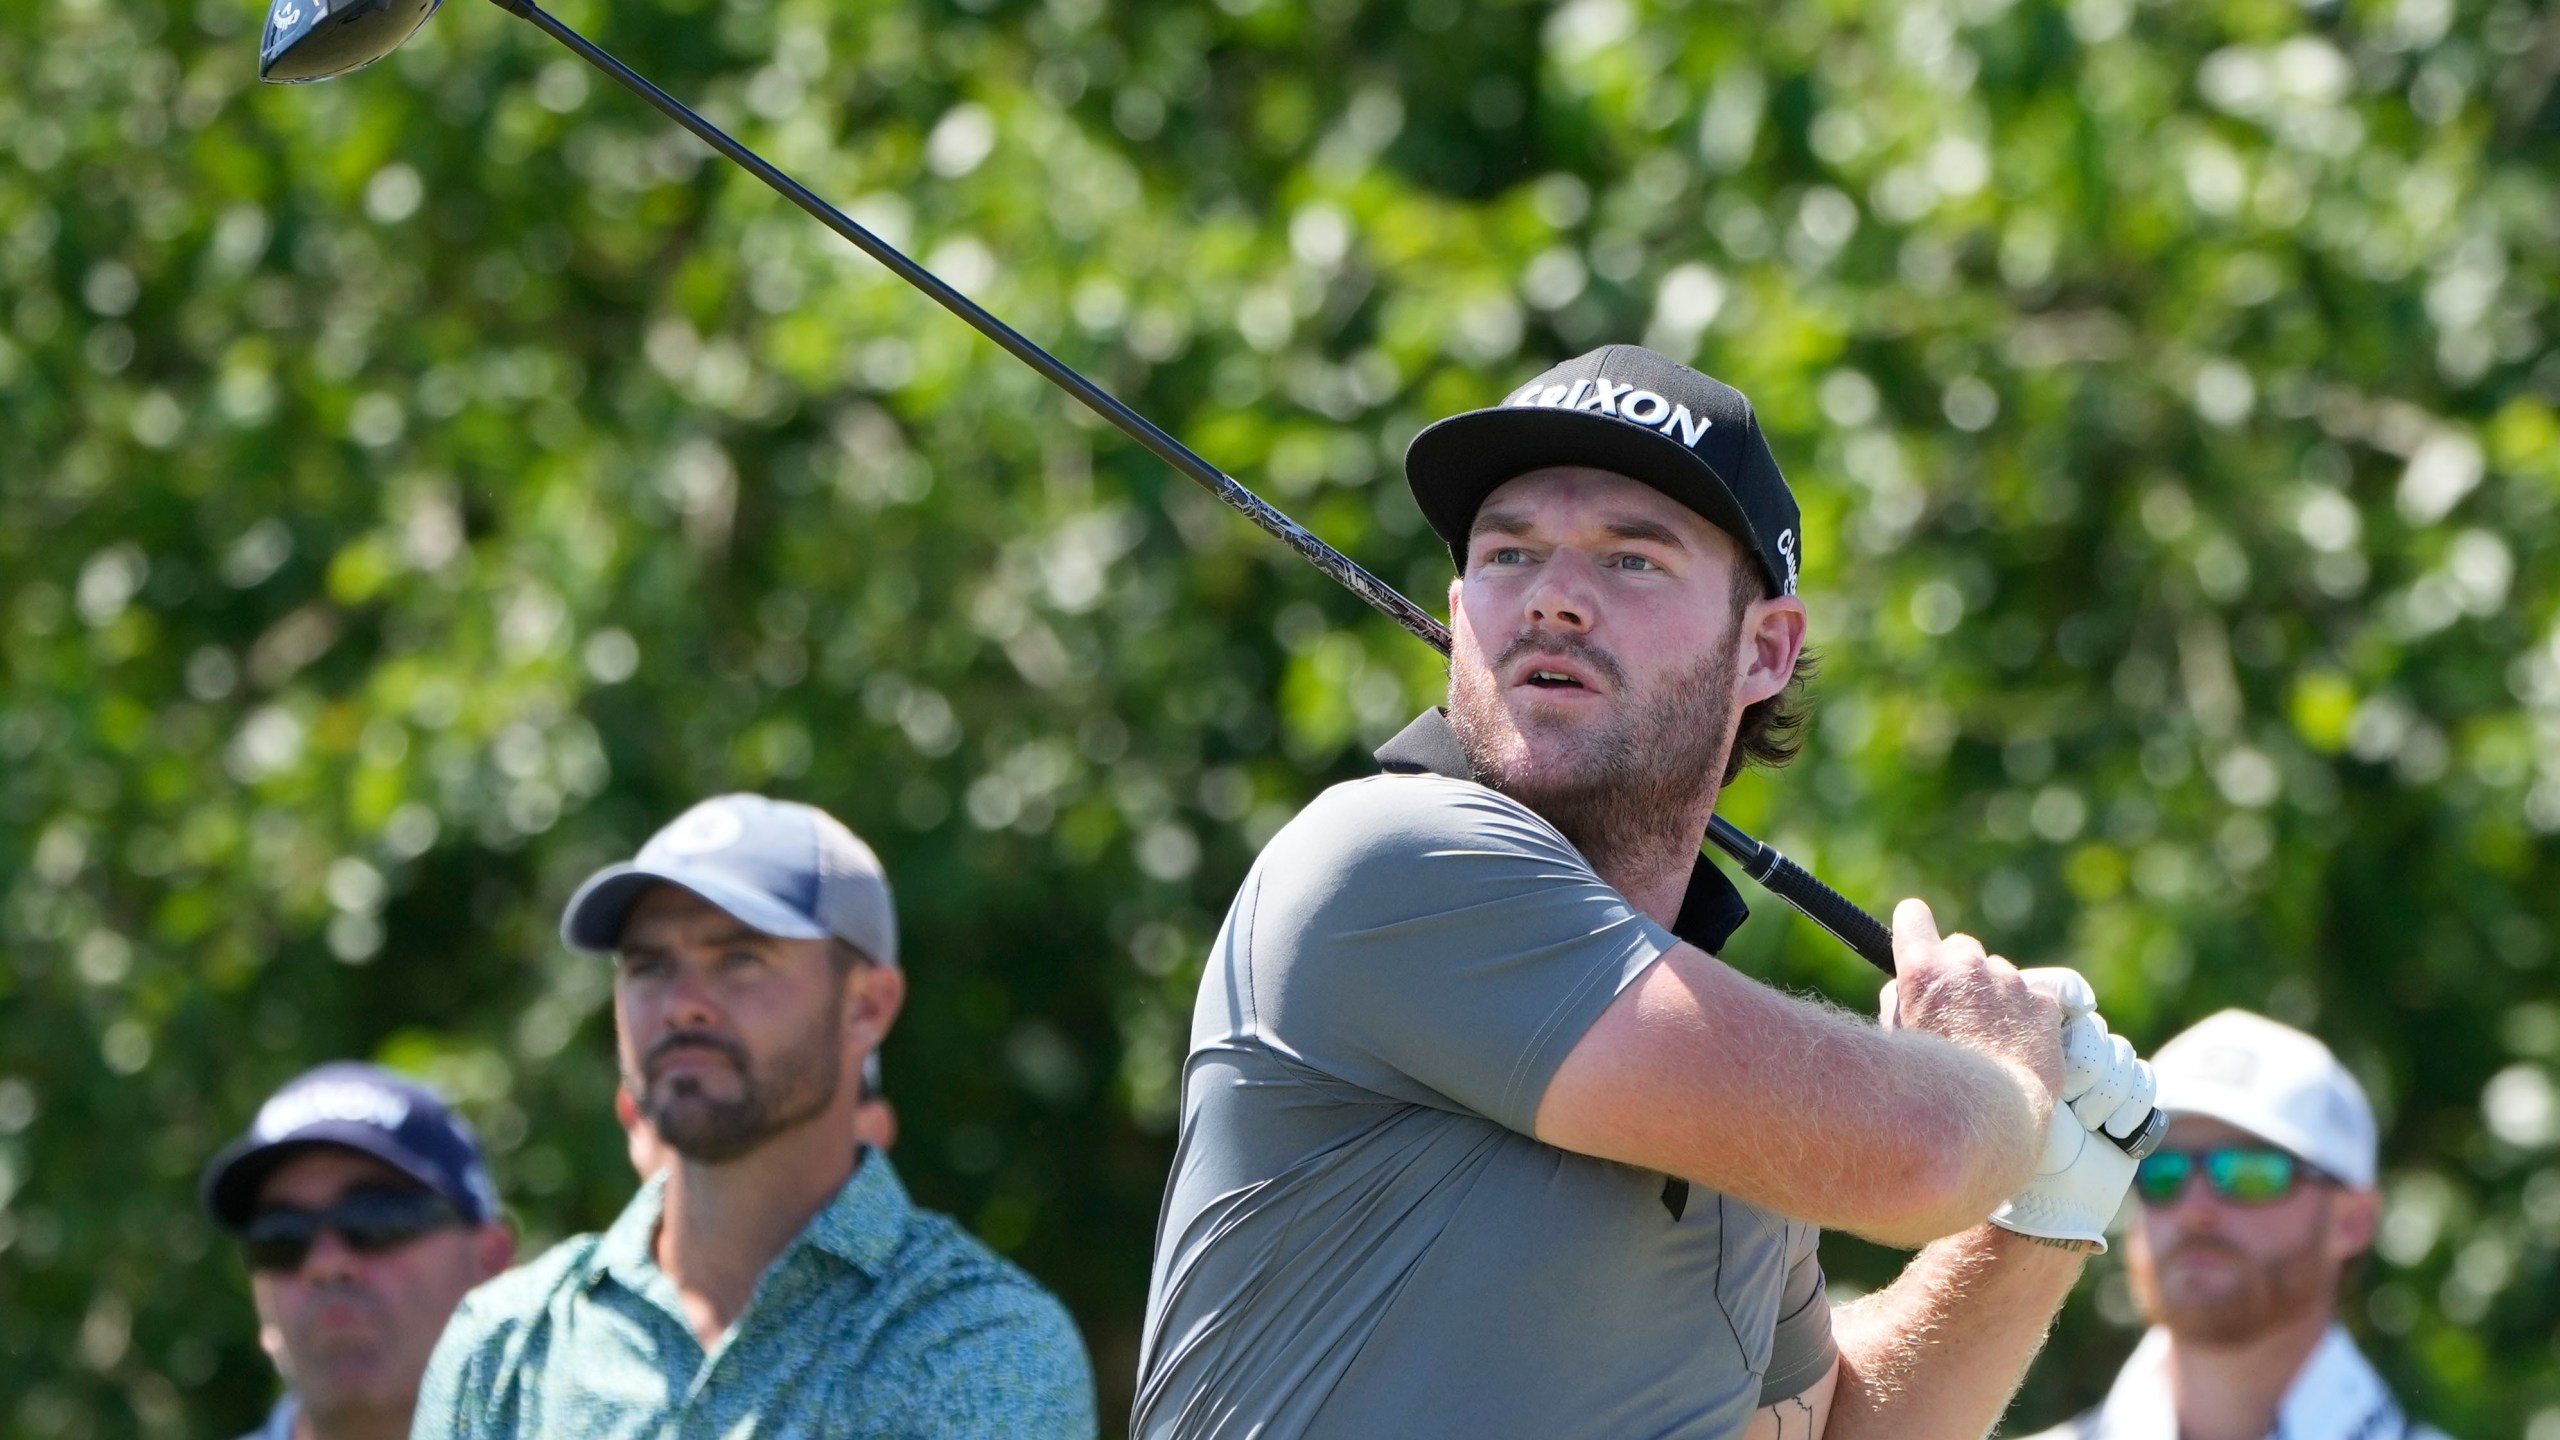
point(1478, 1136)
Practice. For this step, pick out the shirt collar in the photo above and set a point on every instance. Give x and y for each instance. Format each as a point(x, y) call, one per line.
point(2337, 1393)
point(2138, 1405)
point(2335, 1396)
point(623, 1251)
point(1710, 911)
point(862, 1226)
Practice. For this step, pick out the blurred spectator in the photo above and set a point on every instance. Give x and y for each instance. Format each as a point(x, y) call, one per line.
point(770, 1277)
point(2246, 1223)
point(875, 1123)
point(366, 1214)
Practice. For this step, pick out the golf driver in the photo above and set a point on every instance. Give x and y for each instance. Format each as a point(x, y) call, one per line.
point(305, 40)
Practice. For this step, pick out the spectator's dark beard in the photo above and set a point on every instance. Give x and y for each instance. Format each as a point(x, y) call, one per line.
point(1627, 789)
point(799, 1081)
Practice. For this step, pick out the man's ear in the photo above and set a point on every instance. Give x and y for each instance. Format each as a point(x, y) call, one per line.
point(493, 1248)
point(873, 995)
point(2353, 1217)
point(1772, 637)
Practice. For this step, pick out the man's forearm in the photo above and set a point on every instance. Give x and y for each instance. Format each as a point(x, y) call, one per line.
point(2002, 1107)
point(1698, 1071)
point(1937, 1354)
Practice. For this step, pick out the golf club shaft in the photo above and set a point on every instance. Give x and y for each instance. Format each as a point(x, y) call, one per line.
point(1136, 426)
point(1856, 928)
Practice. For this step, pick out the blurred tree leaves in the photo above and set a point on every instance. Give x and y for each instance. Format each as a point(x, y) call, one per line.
point(414, 488)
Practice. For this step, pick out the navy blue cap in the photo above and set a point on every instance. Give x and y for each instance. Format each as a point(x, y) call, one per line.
point(1626, 409)
point(781, 867)
point(358, 1107)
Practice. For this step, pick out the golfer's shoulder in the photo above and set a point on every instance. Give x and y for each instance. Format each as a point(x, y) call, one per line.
point(1378, 818)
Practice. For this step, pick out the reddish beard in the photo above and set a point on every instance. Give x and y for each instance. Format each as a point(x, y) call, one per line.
point(2260, 1294)
point(1627, 786)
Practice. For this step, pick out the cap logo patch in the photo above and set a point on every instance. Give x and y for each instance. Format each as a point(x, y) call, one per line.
point(2227, 1065)
point(342, 1100)
point(703, 830)
point(1603, 396)
point(1787, 551)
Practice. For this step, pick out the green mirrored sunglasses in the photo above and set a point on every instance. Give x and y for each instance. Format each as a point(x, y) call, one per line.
point(2249, 1174)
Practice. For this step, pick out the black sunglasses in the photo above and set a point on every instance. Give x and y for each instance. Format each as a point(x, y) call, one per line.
point(2248, 1174)
point(280, 1237)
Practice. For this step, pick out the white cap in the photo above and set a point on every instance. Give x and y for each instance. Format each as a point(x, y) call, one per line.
point(2274, 1082)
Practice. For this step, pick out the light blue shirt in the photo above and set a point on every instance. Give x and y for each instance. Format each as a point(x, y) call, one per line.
point(878, 1320)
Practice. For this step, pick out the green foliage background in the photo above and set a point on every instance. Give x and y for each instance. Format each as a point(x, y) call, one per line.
point(415, 488)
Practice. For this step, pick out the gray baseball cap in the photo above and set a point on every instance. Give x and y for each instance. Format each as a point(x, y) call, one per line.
point(784, 868)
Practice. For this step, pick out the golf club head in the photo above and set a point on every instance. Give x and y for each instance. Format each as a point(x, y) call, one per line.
point(317, 39)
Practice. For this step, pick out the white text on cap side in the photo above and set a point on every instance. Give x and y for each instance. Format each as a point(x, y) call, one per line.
point(349, 1100)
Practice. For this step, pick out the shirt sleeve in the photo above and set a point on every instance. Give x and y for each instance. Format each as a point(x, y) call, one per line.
point(1435, 942)
point(1803, 1350)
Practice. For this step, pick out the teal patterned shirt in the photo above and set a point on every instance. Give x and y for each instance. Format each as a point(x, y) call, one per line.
point(879, 1320)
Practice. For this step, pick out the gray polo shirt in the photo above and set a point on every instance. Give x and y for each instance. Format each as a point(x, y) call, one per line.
point(1361, 1237)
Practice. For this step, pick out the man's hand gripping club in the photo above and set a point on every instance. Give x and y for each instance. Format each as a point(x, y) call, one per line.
point(2079, 1179)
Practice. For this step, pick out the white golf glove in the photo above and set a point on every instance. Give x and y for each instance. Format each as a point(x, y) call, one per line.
point(2080, 1182)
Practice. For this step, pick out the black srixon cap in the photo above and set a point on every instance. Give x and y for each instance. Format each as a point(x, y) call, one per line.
point(1626, 409)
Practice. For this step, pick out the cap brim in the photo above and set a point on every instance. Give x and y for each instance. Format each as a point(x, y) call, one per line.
point(593, 921)
point(1454, 464)
point(2239, 1111)
point(231, 1182)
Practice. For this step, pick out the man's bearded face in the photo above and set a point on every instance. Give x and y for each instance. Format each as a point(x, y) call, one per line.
point(709, 1122)
point(2220, 1273)
point(1595, 671)
point(1612, 782)
point(729, 1037)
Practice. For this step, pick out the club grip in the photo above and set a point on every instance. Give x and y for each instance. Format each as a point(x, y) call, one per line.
point(2146, 1137)
point(1797, 886)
